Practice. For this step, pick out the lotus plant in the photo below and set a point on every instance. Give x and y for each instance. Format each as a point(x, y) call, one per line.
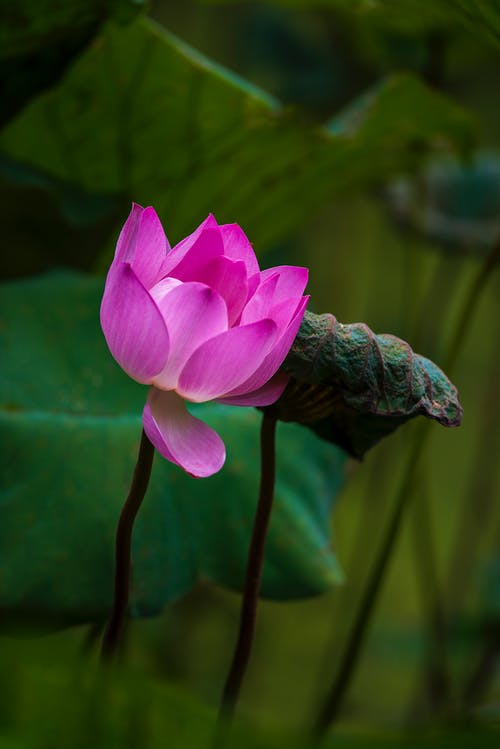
point(198, 322)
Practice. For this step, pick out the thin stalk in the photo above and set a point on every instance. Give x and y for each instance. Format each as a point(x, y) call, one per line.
point(255, 563)
point(140, 481)
point(335, 697)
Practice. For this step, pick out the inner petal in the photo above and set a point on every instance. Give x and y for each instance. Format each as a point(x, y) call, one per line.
point(229, 278)
point(193, 313)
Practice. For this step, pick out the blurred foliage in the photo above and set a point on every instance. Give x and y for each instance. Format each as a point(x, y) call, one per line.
point(457, 204)
point(134, 113)
point(80, 411)
point(29, 25)
point(140, 97)
point(58, 699)
point(415, 16)
point(40, 38)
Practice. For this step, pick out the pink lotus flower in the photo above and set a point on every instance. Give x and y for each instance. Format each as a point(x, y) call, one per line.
point(198, 322)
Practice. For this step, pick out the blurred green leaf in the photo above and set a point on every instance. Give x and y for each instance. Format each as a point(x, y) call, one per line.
point(40, 38)
point(415, 16)
point(58, 701)
point(141, 113)
point(28, 25)
point(77, 206)
point(70, 421)
point(454, 203)
point(353, 387)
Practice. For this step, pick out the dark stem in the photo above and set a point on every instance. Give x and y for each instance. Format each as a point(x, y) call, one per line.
point(254, 569)
point(140, 481)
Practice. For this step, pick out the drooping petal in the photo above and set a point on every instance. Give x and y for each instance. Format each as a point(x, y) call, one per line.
point(180, 437)
point(264, 396)
point(275, 358)
point(229, 278)
point(292, 280)
point(133, 325)
point(225, 361)
point(260, 303)
point(183, 248)
point(237, 247)
point(193, 313)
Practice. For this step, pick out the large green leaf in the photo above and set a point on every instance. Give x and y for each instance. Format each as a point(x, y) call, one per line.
point(353, 387)
point(144, 115)
point(70, 421)
point(39, 38)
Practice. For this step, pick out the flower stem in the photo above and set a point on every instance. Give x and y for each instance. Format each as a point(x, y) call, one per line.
point(140, 481)
point(335, 697)
point(255, 563)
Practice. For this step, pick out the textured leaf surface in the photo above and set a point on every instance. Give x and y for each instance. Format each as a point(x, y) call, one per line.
point(353, 387)
point(70, 425)
point(143, 115)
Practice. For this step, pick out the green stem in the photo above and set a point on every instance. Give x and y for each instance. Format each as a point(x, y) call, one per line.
point(335, 697)
point(140, 481)
point(254, 570)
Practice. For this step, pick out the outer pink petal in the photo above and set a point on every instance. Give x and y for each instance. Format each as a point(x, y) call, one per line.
point(260, 303)
point(284, 312)
point(126, 241)
point(264, 396)
point(193, 313)
point(229, 278)
point(151, 248)
point(180, 437)
point(133, 326)
point(179, 252)
point(222, 363)
point(237, 247)
point(292, 281)
point(275, 358)
point(143, 244)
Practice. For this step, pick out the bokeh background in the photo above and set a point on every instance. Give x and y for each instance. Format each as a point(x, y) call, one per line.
point(392, 199)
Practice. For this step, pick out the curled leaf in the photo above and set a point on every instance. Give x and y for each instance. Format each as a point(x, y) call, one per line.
point(353, 387)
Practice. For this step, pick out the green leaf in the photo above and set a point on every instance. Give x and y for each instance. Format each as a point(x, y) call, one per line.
point(142, 114)
point(353, 387)
point(29, 25)
point(70, 422)
point(414, 16)
point(39, 39)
